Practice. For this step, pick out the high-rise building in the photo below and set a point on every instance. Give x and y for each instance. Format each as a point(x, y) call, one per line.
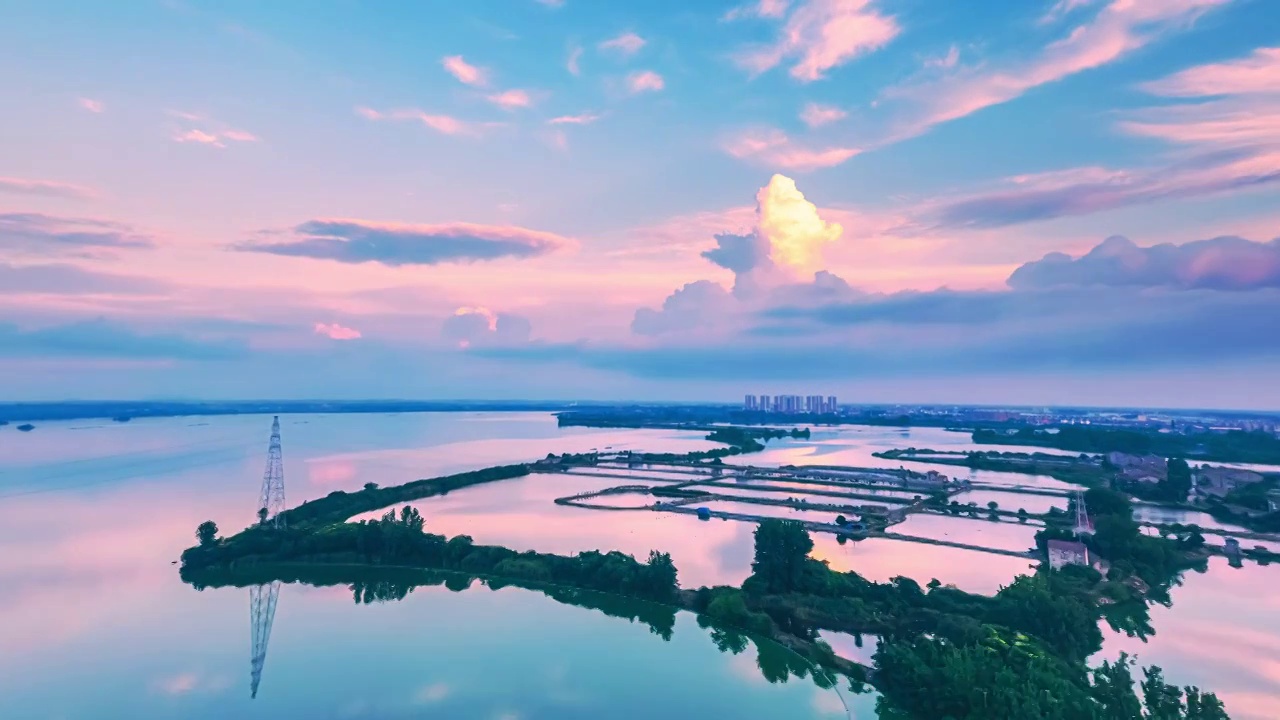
point(791, 404)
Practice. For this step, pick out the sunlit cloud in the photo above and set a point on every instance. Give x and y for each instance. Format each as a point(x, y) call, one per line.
point(203, 130)
point(443, 124)
point(628, 43)
point(334, 331)
point(645, 81)
point(510, 99)
point(581, 119)
point(93, 106)
point(774, 148)
point(757, 9)
point(817, 115)
point(479, 326)
point(1118, 30)
point(465, 72)
point(820, 35)
point(950, 60)
point(1259, 73)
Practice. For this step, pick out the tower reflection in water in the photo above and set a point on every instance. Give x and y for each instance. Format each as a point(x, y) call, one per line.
point(262, 613)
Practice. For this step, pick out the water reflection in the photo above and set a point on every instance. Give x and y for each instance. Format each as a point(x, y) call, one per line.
point(90, 520)
point(262, 615)
point(773, 682)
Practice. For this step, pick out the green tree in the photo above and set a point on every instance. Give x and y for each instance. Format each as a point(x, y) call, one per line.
point(782, 550)
point(1177, 485)
point(1113, 690)
point(371, 486)
point(1163, 701)
point(262, 516)
point(993, 505)
point(1204, 706)
point(207, 532)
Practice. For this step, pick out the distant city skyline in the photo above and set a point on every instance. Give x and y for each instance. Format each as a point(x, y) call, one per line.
point(1057, 202)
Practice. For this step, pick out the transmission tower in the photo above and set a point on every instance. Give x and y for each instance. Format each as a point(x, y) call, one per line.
point(1084, 525)
point(262, 613)
point(272, 499)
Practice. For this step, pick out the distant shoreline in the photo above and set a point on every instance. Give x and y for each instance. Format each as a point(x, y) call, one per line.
point(125, 411)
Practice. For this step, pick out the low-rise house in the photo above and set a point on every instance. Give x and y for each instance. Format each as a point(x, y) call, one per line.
point(1140, 468)
point(1067, 552)
point(1140, 474)
point(1218, 481)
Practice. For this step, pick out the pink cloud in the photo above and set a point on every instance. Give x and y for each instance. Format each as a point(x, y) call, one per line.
point(1062, 8)
point(627, 43)
point(198, 136)
point(240, 136)
point(93, 106)
point(214, 139)
point(816, 115)
point(582, 119)
point(775, 149)
point(946, 61)
point(51, 188)
point(758, 9)
point(511, 99)
point(1258, 74)
point(821, 35)
point(465, 72)
point(334, 331)
point(444, 124)
point(1117, 30)
point(645, 81)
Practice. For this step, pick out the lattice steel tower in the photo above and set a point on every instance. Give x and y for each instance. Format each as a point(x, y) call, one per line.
point(262, 614)
point(272, 499)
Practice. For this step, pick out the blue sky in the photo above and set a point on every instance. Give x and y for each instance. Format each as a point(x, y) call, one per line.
point(516, 199)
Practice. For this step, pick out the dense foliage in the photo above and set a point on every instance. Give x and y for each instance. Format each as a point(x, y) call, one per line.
point(944, 653)
point(399, 540)
point(1232, 446)
point(338, 506)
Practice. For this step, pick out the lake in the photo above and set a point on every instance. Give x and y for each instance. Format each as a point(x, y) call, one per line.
point(95, 622)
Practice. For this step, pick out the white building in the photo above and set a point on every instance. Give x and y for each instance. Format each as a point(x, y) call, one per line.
point(1067, 552)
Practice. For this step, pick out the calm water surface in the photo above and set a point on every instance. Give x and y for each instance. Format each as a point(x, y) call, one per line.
point(95, 623)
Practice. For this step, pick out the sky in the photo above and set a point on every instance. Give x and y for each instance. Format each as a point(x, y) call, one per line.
point(1046, 202)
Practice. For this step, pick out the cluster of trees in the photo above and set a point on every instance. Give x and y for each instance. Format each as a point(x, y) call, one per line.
point(1232, 446)
point(398, 539)
point(1173, 488)
point(946, 653)
point(338, 506)
point(1118, 538)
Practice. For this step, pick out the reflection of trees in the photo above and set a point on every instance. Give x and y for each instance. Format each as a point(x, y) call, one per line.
point(379, 591)
point(776, 663)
